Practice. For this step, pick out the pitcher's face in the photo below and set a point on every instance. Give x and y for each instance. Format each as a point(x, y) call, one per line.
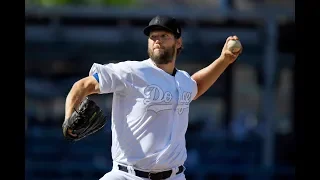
point(162, 47)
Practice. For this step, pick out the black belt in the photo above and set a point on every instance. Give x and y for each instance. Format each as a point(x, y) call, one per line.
point(152, 176)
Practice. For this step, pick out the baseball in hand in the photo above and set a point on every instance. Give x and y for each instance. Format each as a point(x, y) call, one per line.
point(234, 45)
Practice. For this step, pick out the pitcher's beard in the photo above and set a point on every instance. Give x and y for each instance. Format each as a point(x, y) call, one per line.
point(164, 57)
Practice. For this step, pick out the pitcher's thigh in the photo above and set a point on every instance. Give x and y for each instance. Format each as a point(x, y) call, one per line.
point(113, 175)
point(120, 175)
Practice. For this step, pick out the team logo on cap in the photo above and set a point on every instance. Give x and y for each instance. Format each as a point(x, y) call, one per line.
point(157, 21)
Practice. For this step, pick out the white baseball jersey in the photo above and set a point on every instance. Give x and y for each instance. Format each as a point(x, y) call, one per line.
point(149, 113)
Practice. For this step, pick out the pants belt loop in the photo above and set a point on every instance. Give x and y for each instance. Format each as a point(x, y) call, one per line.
point(131, 170)
point(174, 171)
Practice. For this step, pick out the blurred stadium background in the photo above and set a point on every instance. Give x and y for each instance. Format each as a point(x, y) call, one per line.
point(241, 129)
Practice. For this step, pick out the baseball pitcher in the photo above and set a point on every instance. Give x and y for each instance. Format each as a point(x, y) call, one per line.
point(150, 105)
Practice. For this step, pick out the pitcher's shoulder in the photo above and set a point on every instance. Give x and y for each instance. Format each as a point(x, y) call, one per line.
point(135, 64)
point(185, 74)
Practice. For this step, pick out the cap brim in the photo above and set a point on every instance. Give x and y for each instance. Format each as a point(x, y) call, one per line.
point(150, 28)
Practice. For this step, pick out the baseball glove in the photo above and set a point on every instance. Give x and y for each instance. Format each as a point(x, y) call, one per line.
point(85, 121)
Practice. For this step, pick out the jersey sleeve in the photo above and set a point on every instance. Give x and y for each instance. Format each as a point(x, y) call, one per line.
point(112, 77)
point(194, 88)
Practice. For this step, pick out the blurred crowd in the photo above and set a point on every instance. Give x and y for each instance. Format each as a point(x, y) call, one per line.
point(238, 4)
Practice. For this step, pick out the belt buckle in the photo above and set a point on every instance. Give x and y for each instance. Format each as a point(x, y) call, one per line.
point(155, 176)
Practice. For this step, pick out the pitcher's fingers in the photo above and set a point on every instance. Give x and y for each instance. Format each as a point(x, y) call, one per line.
point(235, 37)
point(229, 53)
point(229, 38)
